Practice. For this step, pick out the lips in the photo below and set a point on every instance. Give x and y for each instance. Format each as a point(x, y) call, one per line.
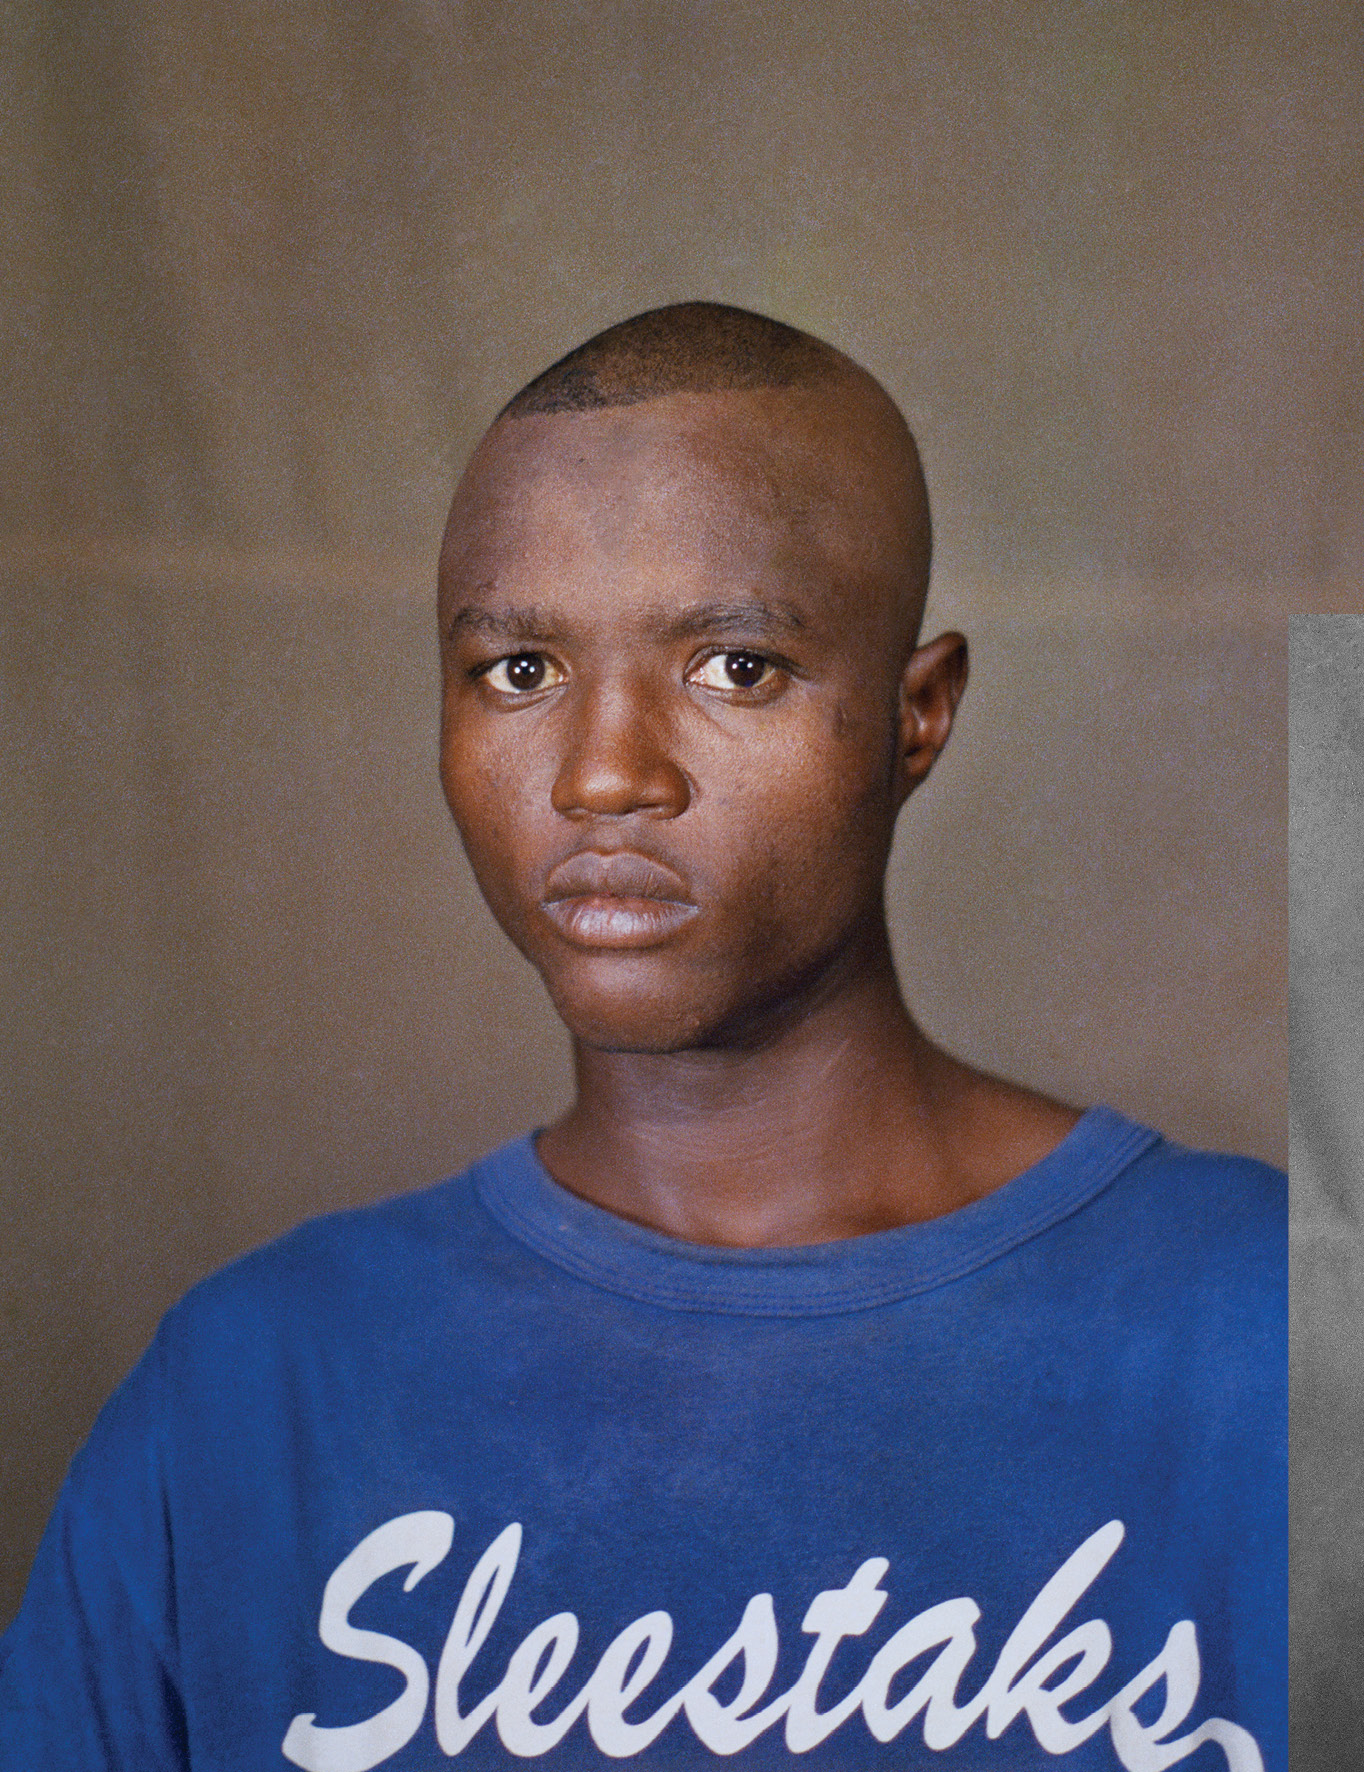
point(617, 900)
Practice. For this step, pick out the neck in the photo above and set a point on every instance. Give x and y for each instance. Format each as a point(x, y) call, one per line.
point(845, 1119)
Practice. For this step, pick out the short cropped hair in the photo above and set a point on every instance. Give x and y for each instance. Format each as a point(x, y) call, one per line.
point(690, 347)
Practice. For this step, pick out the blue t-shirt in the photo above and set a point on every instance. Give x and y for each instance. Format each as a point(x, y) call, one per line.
point(486, 1473)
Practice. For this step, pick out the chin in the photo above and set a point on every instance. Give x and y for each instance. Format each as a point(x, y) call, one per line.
point(667, 1018)
point(632, 1027)
point(628, 1004)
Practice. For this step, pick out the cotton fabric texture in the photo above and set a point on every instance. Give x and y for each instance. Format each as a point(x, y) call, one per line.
point(485, 1473)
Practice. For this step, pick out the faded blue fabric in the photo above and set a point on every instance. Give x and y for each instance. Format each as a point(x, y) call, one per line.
point(1013, 1480)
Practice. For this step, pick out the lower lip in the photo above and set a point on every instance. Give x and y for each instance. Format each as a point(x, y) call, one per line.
point(598, 922)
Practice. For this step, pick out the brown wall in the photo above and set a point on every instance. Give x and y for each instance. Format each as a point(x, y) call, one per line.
point(276, 267)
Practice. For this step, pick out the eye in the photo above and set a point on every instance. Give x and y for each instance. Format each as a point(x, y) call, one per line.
point(733, 670)
point(522, 672)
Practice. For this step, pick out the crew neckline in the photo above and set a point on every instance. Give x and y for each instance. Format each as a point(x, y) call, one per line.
point(815, 1279)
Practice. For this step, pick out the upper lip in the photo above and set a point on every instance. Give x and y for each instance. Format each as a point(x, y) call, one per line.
point(622, 873)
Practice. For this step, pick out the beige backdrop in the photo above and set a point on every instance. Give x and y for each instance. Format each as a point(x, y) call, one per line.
point(276, 266)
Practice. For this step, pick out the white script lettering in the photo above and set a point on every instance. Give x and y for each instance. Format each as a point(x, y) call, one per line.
point(1032, 1677)
point(419, 1539)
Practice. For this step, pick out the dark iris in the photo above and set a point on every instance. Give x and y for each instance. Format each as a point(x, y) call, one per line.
point(744, 669)
point(526, 670)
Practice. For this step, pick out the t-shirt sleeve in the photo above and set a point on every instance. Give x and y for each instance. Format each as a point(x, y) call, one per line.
point(88, 1668)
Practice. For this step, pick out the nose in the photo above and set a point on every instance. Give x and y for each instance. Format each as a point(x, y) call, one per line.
point(617, 759)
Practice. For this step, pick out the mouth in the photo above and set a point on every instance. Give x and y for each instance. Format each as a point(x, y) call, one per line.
point(618, 900)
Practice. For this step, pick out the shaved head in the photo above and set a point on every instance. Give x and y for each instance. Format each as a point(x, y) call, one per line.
point(804, 396)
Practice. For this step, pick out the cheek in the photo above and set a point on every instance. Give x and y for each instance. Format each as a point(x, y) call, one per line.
point(487, 807)
point(809, 827)
point(487, 766)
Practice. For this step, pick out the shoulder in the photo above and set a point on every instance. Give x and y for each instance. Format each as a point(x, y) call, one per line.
point(1203, 1233)
point(1215, 1200)
point(336, 1296)
point(363, 1262)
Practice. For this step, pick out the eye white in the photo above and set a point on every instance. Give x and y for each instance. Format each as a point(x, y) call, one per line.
point(736, 669)
point(524, 672)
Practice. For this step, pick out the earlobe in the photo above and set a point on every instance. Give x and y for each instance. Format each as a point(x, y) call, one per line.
point(931, 685)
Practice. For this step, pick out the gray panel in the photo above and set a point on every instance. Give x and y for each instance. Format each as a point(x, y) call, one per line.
point(1326, 878)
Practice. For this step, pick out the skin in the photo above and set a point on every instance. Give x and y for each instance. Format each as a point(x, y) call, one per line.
point(683, 705)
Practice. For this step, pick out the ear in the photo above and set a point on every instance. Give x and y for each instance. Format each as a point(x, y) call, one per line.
point(931, 685)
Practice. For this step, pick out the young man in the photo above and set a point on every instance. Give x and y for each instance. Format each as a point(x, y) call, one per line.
point(801, 1393)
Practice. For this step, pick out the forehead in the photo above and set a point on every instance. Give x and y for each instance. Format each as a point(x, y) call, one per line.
point(752, 490)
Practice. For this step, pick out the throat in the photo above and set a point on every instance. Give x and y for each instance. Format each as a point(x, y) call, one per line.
point(842, 1127)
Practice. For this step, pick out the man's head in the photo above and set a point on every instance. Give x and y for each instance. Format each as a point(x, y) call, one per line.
point(681, 587)
point(706, 348)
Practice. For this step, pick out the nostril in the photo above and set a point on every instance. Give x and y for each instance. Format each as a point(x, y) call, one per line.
point(612, 787)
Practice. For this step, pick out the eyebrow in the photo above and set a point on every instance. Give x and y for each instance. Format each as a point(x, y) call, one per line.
point(518, 622)
point(774, 620)
point(752, 615)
